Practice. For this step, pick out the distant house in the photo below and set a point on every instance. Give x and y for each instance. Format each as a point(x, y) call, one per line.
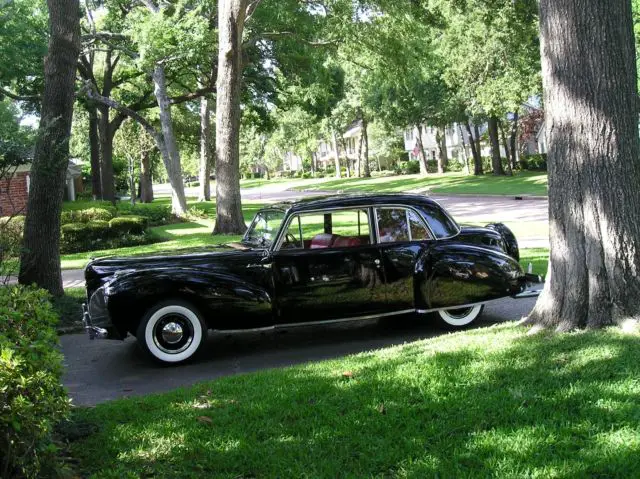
point(457, 141)
point(14, 191)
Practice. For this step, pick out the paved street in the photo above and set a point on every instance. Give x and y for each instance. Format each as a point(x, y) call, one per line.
point(98, 371)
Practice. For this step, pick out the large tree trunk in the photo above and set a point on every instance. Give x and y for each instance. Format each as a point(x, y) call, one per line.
point(40, 258)
point(496, 161)
point(106, 155)
point(231, 16)
point(94, 147)
point(421, 152)
point(590, 98)
point(146, 180)
point(513, 141)
point(204, 193)
point(365, 147)
point(474, 143)
point(336, 153)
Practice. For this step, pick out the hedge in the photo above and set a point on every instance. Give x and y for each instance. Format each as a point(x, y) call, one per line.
point(156, 214)
point(32, 399)
point(86, 215)
point(128, 225)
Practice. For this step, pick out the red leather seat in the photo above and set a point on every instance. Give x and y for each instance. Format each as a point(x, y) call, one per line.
point(322, 240)
point(346, 242)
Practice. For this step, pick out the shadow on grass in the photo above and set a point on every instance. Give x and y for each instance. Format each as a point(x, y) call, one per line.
point(489, 402)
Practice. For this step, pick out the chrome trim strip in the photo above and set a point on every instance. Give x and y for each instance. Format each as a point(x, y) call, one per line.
point(314, 323)
point(448, 308)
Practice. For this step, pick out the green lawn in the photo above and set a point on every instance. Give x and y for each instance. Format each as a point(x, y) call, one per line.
point(492, 402)
point(524, 183)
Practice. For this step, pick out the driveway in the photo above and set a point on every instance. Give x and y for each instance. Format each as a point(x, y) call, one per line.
point(98, 371)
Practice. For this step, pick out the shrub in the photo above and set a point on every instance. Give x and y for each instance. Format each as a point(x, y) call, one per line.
point(156, 214)
point(536, 162)
point(410, 167)
point(128, 225)
point(306, 175)
point(32, 397)
point(86, 215)
point(98, 229)
point(197, 212)
point(74, 237)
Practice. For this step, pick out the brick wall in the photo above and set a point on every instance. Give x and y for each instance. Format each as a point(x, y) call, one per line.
point(13, 195)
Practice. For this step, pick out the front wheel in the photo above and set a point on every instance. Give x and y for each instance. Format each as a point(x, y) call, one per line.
point(171, 332)
point(460, 317)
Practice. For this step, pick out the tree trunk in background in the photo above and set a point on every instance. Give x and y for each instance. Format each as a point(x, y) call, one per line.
point(231, 16)
point(590, 98)
point(146, 180)
point(464, 150)
point(336, 153)
point(94, 147)
point(496, 161)
point(40, 258)
point(421, 152)
point(204, 190)
point(475, 149)
point(514, 141)
point(506, 149)
point(172, 154)
point(476, 140)
point(441, 141)
point(365, 147)
point(359, 158)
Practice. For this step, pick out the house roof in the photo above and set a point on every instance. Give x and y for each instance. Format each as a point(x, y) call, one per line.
point(74, 168)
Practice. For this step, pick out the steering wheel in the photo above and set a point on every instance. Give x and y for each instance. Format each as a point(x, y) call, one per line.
point(289, 238)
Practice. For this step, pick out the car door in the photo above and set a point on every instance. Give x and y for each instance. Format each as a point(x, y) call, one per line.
point(402, 236)
point(327, 267)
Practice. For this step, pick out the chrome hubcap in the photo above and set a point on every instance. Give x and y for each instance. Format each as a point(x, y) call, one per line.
point(172, 333)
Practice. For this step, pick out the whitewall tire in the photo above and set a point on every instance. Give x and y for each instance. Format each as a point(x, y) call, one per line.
point(460, 317)
point(172, 331)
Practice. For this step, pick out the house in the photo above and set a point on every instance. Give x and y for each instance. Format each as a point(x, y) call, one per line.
point(348, 146)
point(14, 191)
point(457, 141)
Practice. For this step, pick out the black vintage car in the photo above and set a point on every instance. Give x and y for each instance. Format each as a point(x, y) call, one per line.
point(318, 260)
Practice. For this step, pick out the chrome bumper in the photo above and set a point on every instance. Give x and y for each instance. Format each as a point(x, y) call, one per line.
point(93, 331)
point(530, 279)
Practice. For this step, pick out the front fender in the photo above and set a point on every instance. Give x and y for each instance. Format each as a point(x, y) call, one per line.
point(460, 274)
point(224, 300)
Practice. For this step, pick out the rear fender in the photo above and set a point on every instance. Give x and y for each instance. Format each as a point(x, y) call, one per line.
point(220, 298)
point(459, 274)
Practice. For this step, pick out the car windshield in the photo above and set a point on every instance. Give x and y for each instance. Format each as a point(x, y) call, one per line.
point(264, 228)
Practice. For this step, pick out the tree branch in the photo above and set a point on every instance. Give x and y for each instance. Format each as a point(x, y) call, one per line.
point(17, 97)
point(193, 95)
point(90, 93)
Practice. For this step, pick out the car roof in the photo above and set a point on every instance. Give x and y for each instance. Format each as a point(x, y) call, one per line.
point(350, 200)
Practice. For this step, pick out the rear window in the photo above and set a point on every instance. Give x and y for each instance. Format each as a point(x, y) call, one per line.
point(441, 224)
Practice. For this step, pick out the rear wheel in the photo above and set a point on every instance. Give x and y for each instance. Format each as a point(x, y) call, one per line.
point(172, 331)
point(460, 317)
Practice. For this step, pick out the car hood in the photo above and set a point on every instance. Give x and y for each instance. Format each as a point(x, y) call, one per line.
point(214, 258)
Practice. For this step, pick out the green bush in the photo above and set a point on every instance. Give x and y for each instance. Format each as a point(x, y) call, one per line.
point(128, 225)
point(86, 215)
point(536, 162)
point(156, 214)
point(306, 175)
point(32, 399)
point(410, 167)
point(74, 236)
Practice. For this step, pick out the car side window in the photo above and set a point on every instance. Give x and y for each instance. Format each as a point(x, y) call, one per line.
point(441, 224)
point(330, 229)
point(400, 224)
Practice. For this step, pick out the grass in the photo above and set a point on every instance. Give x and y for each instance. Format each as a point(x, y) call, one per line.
point(523, 183)
point(538, 257)
point(69, 309)
point(491, 402)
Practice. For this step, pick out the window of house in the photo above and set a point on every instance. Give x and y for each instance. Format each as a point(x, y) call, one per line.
point(400, 224)
point(332, 229)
